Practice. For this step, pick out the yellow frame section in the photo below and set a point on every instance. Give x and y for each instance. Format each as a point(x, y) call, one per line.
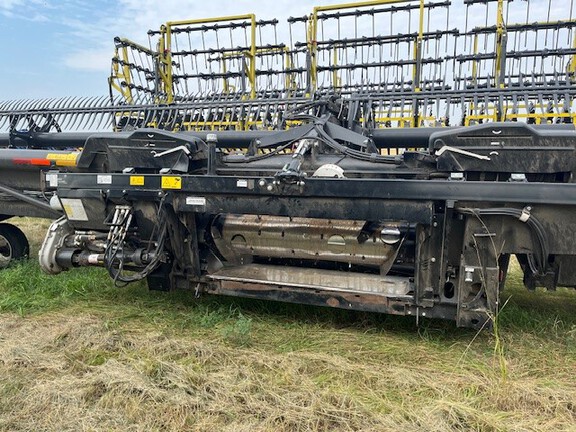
point(490, 113)
point(125, 74)
point(289, 82)
point(313, 35)
point(121, 74)
point(165, 51)
point(405, 117)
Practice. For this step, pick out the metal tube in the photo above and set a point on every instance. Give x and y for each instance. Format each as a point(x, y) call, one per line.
point(29, 200)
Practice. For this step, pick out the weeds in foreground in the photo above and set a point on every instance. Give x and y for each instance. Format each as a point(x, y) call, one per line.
point(499, 352)
point(239, 331)
point(78, 353)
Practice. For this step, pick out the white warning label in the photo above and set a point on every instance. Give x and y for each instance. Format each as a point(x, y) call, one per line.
point(74, 209)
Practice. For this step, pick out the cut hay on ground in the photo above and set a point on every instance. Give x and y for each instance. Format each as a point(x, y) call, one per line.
point(75, 373)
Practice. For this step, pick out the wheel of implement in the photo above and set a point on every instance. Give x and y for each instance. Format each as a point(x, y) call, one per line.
point(13, 244)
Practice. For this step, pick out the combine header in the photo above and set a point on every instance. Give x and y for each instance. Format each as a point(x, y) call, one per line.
point(387, 156)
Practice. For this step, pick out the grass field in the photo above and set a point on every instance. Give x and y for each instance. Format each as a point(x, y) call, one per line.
point(77, 354)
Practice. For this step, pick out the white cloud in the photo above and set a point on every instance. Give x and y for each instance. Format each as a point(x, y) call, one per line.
point(10, 4)
point(133, 18)
point(95, 60)
point(27, 10)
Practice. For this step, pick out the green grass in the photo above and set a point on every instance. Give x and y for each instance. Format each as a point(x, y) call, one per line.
point(25, 290)
point(77, 353)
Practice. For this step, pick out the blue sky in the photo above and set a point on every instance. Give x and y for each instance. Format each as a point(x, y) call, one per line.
point(39, 39)
point(58, 48)
point(63, 47)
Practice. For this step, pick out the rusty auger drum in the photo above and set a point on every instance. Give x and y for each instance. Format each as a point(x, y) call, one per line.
point(387, 156)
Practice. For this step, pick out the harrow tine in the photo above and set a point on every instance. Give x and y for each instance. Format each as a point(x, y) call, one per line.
point(75, 122)
point(73, 110)
point(97, 106)
point(20, 104)
point(85, 115)
point(93, 103)
point(88, 113)
point(65, 107)
point(39, 118)
point(104, 116)
point(30, 108)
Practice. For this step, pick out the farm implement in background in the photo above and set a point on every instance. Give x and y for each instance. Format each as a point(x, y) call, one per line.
point(369, 156)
